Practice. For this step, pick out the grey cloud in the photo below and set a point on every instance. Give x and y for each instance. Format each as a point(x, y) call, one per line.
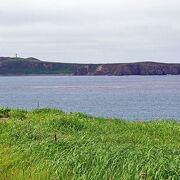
point(113, 31)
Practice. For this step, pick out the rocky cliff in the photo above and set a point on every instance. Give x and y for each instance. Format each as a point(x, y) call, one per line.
point(21, 66)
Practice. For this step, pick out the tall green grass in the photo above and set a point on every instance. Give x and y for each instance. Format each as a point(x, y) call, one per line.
point(51, 144)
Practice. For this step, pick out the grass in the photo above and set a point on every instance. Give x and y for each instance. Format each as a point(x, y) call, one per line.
point(51, 144)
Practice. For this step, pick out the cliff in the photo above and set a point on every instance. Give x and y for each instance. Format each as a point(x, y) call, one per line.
point(28, 66)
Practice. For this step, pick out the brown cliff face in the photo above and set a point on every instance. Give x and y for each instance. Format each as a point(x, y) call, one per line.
point(144, 68)
point(20, 66)
point(82, 70)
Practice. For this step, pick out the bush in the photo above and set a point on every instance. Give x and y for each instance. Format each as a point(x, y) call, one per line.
point(4, 112)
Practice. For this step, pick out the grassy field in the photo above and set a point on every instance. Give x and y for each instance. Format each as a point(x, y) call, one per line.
point(51, 144)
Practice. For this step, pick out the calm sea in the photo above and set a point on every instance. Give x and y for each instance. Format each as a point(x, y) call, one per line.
point(128, 97)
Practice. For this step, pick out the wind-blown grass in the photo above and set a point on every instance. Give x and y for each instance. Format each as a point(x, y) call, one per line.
point(51, 144)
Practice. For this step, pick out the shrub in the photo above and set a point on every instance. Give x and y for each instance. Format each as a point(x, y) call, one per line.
point(4, 112)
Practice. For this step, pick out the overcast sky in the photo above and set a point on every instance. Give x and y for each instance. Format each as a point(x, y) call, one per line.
point(93, 31)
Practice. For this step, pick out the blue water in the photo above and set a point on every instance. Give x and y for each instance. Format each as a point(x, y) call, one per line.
point(128, 97)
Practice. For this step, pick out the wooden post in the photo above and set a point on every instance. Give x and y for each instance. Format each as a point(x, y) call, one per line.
point(55, 137)
point(144, 175)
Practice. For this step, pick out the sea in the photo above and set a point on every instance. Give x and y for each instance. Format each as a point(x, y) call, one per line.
point(125, 97)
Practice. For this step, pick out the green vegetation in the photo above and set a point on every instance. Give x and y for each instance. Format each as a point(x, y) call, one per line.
point(51, 144)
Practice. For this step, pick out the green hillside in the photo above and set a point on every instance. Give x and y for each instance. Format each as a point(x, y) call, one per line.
point(33, 66)
point(51, 144)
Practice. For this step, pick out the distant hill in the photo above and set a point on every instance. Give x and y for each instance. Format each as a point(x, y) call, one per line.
point(33, 66)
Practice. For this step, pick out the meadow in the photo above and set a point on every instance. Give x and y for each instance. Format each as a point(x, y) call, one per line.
point(52, 144)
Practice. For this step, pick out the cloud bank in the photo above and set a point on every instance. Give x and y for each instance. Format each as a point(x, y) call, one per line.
point(91, 31)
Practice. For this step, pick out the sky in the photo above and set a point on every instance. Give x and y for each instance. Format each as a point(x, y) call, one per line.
point(91, 31)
